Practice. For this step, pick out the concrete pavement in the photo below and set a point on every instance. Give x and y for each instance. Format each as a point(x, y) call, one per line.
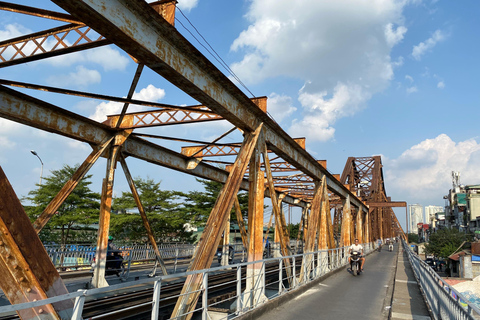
point(386, 290)
point(408, 301)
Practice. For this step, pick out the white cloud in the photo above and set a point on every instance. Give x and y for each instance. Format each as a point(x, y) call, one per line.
point(394, 36)
point(82, 78)
point(150, 93)
point(441, 85)
point(420, 49)
point(107, 57)
point(280, 106)
point(13, 31)
point(409, 78)
point(322, 113)
point(423, 172)
point(412, 90)
point(340, 50)
point(187, 5)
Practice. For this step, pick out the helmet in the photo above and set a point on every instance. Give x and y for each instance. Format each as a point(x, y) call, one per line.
point(110, 238)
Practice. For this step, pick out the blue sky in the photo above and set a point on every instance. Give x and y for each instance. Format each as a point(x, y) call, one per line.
point(356, 78)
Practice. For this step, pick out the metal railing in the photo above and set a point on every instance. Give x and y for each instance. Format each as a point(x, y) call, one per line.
point(74, 257)
point(444, 301)
point(275, 277)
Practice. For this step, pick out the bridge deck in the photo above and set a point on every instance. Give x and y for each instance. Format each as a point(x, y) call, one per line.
point(367, 296)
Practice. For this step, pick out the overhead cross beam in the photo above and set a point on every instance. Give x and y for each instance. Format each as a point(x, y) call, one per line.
point(137, 29)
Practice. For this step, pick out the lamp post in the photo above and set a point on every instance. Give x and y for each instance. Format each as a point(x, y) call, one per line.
point(41, 170)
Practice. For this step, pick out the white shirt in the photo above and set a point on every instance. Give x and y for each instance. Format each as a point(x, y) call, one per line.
point(356, 247)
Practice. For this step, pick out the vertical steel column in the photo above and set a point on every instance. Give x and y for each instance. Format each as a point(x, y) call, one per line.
point(210, 238)
point(313, 226)
point(367, 227)
point(241, 223)
point(143, 215)
point(226, 243)
point(284, 237)
point(256, 191)
point(98, 279)
point(346, 224)
point(359, 226)
point(27, 272)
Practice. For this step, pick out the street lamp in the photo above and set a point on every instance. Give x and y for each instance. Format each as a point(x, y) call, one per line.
point(41, 170)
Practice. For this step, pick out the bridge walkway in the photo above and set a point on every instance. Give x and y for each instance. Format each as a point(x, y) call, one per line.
point(387, 288)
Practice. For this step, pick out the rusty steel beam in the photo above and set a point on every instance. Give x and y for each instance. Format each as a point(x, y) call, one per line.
point(68, 188)
point(216, 150)
point(98, 96)
point(313, 227)
point(210, 238)
point(35, 113)
point(143, 215)
point(14, 51)
point(28, 274)
point(42, 13)
point(241, 223)
point(137, 29)
point(98, 279)
point(280, 223)
point(255, 247)
point(156, 118)
point(57, 35)
point(346, 224)
point(391, 204)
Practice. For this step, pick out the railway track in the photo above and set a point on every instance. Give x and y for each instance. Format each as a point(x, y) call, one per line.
point(137, 305)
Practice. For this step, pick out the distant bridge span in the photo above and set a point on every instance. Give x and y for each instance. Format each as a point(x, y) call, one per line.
point(147, 34)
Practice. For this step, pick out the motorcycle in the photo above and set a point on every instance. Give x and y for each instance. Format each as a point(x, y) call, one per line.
point(114, 264)
point(231, 254)
point(390, 247)
point(355, 263)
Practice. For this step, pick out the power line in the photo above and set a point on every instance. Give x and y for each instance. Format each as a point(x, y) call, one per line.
point(219, 59)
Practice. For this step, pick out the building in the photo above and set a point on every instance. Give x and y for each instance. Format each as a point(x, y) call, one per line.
point(415, 214)
point(430, 215)
point(462, 206)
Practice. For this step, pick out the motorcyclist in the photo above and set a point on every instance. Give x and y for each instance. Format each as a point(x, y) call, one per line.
point(356, 247)
point(113, 254)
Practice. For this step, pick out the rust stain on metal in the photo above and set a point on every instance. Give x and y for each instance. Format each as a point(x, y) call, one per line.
point(26, 276)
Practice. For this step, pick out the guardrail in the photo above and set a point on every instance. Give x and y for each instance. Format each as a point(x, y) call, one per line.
point(317, 264)
point(444, 301)
point(82, 256)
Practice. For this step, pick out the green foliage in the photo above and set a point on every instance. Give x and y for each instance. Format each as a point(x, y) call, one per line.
point(80, 209)
point(413, 237)
point(165, 215)
point(200, 204)
point(293, 230)
point(444, 242)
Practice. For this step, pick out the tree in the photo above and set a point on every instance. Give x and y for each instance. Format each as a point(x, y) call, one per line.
point(80, 209)
point(445, 241)
point(165, 215)
point(293, 229)
point(200, 204)
point(413, 237)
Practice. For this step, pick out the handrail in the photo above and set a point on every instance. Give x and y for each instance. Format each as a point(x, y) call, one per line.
point(323, 262)
point(444, 301)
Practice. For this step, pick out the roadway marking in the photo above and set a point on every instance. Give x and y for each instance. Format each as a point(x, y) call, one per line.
point(406, 281)
point(396, 315)
point(323, 285)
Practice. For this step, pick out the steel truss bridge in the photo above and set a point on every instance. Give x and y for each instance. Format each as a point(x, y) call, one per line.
point(267, 163)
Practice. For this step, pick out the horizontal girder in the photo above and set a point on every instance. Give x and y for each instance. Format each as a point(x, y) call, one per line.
point(142, 33)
